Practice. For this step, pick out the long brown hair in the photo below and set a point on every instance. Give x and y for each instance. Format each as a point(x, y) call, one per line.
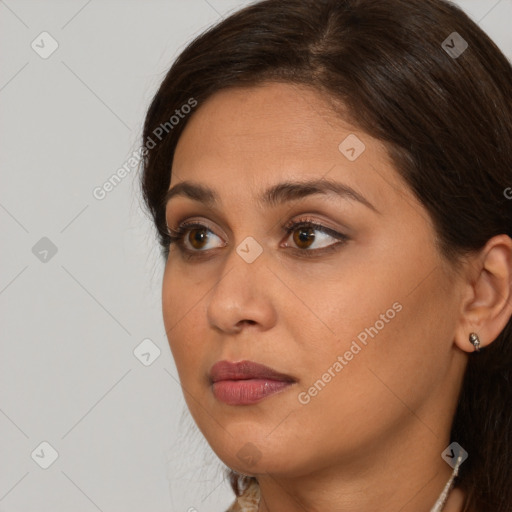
point(422, 77)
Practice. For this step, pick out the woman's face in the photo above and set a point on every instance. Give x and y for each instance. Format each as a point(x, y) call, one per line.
point(360, 316)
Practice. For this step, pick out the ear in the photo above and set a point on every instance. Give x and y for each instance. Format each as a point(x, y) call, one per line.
point(487, 304)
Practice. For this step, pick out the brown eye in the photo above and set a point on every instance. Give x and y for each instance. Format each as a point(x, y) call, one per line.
point(304, 237)
point(193, 237)
point(308, 238)
point(312, 237)
point(197, 237)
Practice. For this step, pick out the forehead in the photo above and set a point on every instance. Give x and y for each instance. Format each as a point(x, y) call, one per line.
point(246, 139)
point(265, 121)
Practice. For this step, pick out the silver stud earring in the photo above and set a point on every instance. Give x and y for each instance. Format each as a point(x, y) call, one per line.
point(475, 340)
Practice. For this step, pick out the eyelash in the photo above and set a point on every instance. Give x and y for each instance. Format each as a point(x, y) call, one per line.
point(176, 236)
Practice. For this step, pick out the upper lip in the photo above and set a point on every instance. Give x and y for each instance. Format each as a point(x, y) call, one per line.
point(244, 370)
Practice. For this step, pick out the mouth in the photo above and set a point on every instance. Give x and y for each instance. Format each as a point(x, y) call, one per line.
point(246, 382)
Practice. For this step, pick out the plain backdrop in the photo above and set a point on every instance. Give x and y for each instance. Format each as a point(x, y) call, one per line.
point(88, 386)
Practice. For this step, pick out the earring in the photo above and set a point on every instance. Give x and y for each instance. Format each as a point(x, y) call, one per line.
point(475, 340)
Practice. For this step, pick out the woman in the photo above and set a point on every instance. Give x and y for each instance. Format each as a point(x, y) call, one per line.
point(330, 181)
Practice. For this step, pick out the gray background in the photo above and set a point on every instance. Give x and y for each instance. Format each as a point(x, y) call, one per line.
point(72, 320)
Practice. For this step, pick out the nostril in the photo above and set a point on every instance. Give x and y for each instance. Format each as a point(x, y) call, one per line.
point(250, 322)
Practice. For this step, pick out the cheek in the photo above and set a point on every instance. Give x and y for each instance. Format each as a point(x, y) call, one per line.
point(182, 295)
point(181, 309)
point(374, 387)
point(388, 331)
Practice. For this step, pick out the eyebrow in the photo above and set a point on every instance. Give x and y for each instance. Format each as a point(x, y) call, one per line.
point(273, 196)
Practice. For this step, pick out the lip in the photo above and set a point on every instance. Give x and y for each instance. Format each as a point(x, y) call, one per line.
point(246, 382)
point(244, 370)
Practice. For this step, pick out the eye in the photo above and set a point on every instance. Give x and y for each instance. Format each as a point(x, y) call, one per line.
point(194, 238)
point(195, 234)
point(302, 233)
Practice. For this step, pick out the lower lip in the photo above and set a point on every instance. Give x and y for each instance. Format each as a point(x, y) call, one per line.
point(245, 392)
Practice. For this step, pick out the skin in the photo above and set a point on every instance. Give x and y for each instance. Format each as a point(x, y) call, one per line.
point(371, 439)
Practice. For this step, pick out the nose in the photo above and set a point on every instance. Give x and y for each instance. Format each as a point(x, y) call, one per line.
point(242, 296)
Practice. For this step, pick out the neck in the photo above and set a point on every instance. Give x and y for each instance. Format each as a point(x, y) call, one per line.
point(408, 476)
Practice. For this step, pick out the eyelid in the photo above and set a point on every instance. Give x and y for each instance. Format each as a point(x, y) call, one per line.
point(178, 234)
point(190, 223)
point(317, 225)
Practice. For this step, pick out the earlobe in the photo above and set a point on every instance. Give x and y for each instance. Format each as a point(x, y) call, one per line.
point(488, 305)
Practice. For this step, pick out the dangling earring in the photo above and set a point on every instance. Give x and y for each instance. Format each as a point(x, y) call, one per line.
point(475, 340)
